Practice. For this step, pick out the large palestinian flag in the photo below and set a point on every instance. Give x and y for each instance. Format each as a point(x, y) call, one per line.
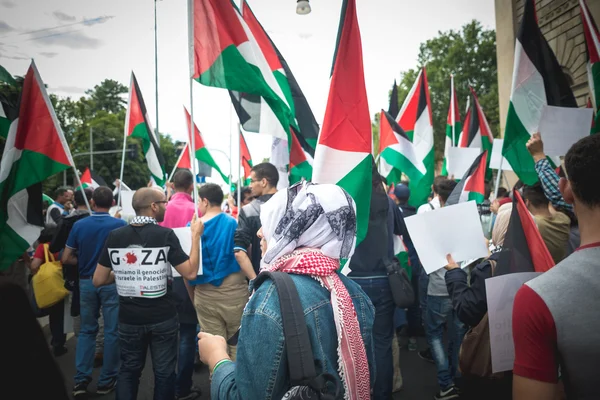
point(453, 125)
point(137, 124)
point(201, 153)
point(415, 119)
point(524, 249)
point(472, 184)
point(227, 55)
point(343, 154)
point(592, 38)
point(255, 115)
point(89, 179)
point(397, 152)
point(35, 149)
point(538, 80)
point(477, 133)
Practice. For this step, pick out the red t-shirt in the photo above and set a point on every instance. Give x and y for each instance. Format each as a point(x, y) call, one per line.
point(39, 253)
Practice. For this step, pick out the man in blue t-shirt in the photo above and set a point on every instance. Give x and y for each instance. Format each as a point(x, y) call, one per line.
point(87, 240)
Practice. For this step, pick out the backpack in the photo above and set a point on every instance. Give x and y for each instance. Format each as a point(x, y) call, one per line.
point(475, 355)
point(306, 384)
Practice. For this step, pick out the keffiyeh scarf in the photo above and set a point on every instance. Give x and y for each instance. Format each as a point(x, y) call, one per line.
point(309, 228)
point(142, 220)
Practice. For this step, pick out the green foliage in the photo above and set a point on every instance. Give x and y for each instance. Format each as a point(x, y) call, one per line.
point(469, 54)
point(103, 111)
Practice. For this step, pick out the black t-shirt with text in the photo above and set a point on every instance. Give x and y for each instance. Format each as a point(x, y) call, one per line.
point(141, 259)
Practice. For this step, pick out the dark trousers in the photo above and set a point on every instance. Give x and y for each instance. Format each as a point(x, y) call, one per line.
point(186, 359)
point(56, 314)
point(413, 315)
point(378, 290)
point(134, 341)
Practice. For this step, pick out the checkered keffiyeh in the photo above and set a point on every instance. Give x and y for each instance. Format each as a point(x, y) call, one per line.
point(141, 220)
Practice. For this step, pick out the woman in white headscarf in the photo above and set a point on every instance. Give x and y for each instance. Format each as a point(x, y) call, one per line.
point(306, 231)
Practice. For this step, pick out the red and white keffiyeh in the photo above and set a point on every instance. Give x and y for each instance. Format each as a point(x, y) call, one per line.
point(309, 228)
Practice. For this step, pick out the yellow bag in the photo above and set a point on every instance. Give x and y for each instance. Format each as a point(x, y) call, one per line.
point(48, 283)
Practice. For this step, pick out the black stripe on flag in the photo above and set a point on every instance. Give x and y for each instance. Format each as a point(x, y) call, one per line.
point(395, 126)
point(454, 197)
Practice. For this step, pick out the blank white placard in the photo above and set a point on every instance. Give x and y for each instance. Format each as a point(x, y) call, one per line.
point(497, 156)
point(127, 202)
point(454, 230)
point(460, 160)
point(185, 239)
point(562, 127)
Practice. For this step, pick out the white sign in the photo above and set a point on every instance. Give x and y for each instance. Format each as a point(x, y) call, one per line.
point(501, 291)
point(497, 156)
point(185, 239)
point(127, 202)
point(454, 230)
point(140, 272)
point(460, 160)
point(562, 127)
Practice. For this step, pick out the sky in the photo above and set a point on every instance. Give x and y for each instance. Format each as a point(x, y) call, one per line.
point(78, 43)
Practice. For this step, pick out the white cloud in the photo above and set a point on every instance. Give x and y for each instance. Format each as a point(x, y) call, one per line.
point(61, 16)
point(76, 40)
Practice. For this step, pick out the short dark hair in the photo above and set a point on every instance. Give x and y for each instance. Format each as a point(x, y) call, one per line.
point(437, 181)
point(103, 197)
point(502, 193)
point(60, 191)
point(444, 189)
point(183, 179)
point(535, 194)
point(582, 164)
point(245, 191)
point(79, 200)
point(267, 171)
point(211, 192)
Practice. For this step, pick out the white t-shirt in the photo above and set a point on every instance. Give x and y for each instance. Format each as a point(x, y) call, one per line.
point(435, 202)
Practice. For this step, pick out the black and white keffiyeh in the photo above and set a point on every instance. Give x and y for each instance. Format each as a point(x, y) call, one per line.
point(321, 216)
point(142, 220)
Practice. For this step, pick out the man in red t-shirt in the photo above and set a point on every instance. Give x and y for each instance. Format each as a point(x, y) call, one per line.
point(56, 313)
point(555, 316)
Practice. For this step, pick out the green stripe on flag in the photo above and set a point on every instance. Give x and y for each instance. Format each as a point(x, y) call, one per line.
point(203, 155)
point(405, 165)
point(419, 191)
point(12, 245)
point(515, 148)
point(358, 183)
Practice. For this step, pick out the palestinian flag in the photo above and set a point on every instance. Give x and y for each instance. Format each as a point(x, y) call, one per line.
point(472, 184)
point(227, 55)
point(300, 160)
point(394, 107)
point(245, 157)
point(184, 161)
point(453, 125)
point(137, 124)
point(401, 254)
point(8, 107)
point(35, 150)
point(524, 249)
point(415, 119)
point(477, 134)
point(592, 38)
point(89, 179)
point(6, 77)
point(255, 115)
point(201, 153)
point(397, 153)
point(343, 154)
point(538, 80)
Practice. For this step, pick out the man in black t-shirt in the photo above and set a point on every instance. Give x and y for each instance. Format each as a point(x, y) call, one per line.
point(138, 257)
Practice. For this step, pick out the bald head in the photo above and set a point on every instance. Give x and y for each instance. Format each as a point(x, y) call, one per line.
point(149, 202)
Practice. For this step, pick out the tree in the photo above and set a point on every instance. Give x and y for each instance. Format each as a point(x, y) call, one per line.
point(107, 96)
point(469, 54)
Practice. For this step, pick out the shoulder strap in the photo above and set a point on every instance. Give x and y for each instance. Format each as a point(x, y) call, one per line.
point(493, 264)
point(297, 342)
point(431, 205)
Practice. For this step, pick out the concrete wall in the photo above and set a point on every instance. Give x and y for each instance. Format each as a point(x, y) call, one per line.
point(560, 22)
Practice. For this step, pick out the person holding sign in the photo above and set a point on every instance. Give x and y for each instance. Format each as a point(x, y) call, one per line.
point(138, 258)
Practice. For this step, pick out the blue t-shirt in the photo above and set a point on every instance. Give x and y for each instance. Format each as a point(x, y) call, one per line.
point(88, 236)
point(218, 259)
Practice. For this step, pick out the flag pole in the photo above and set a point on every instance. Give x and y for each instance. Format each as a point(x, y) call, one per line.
point(498, 178)
point(239, 191)
point(156, 70)
point(230, 151)
point(125, 142)
point(193, 160)
point(452, 111)
point(80, 185)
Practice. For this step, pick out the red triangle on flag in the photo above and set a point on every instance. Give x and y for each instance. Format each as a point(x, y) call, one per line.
point(184, 158)
point(386, 133)
point(476, 183)
point(38, 129)
point(198, 142)
point(261, 37)
point(297, 155)
point(86, 177)
point(246, 159)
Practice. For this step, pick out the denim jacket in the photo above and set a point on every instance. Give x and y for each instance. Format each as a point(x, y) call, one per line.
point(261, 371)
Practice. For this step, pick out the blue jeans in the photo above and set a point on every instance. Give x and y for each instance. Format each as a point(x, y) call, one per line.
point(135, 340)
point(186, 359)
point(440, 312)
point(92, 299)
point(378, 290)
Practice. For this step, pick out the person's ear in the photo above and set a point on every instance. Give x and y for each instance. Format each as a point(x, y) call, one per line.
point(566, 190)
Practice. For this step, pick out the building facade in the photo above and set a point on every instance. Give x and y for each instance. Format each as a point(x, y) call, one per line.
point(560, 23)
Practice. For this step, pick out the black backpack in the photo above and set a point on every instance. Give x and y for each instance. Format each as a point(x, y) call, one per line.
point(306, 385)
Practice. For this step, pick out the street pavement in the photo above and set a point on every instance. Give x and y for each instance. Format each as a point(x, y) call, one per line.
point(419, 376)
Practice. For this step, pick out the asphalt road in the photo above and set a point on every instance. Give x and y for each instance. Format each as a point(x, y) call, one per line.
point(419, 377)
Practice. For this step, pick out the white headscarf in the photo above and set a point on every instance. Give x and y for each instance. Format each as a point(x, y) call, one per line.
point(321, 216)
